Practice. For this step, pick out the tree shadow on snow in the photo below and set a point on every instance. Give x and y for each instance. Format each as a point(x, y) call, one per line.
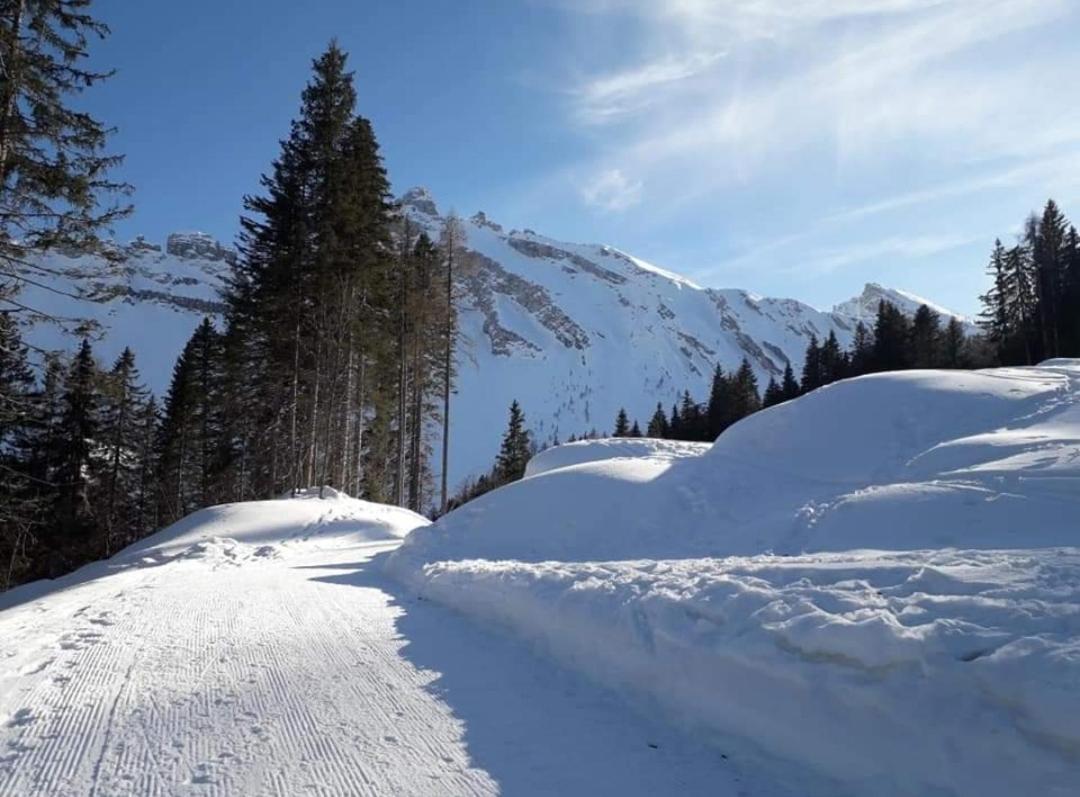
point(534, 727)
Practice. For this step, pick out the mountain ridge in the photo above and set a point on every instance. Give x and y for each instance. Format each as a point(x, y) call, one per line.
point(573, 331)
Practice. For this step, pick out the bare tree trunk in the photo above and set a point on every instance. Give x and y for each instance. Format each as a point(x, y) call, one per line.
point(448, 354)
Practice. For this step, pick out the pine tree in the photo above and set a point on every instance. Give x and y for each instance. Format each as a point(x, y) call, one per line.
point(1045, 238)
point(622, 424)
point(78, 443)
point(789, 386)
point(675, 424)
point(717, 412)
point(53, 168)
point(658, 424)
point(744, 391)
point(18, 509)
point(812, 376)
point(861, 357)
point(774, 394)
point(892, 334)
point(515, 450)
point(119, 468)
point(635, 430)
point(451, 240)
point(833, 363)
point(925, 346)
point(952, 345)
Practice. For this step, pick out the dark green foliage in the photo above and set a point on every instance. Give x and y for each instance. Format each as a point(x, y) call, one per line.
point(658, 423)
point(622, 424)
point(53, 168)
point(515, 450)
point(1031, 310)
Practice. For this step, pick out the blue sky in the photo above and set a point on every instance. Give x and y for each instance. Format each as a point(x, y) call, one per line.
point(792, 147)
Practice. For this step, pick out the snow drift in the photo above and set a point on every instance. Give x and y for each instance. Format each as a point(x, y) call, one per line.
point(880, 580)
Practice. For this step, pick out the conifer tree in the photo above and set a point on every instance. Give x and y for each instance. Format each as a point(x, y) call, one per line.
point(861, 356)
point(744, 391)
point(952, 345)
point(658, 424)
point(451, 240)
point(773, 395)
point(812, 376)
point(54, 185)
point(635, 430)
point(789, 386)
point(892, 335)
point(515, 450)
point(78, 442)
point(18, 510)
point(120, 440)
point(925, 338)
point(717, 411)
point(622, 424)
point(833, 363)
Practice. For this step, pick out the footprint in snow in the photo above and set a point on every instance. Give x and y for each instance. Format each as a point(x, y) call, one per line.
point(23, 716)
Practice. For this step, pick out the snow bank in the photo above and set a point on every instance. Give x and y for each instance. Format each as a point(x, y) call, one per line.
point(334, 519)
point(895, 674)
point(920, 633)
point(584, 451)
point(898, 461)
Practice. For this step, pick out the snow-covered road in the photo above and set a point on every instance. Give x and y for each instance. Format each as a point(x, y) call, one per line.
point(288, 665)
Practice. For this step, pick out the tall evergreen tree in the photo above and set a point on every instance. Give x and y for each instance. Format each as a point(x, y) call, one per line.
point(925, 346)
point(789, 386)
point(78, 444)
point(892, 334)
point(120, 440)
point(812, 375)
point(515, 450)
point(658, 423)
point(54, 184)
point(622, 424)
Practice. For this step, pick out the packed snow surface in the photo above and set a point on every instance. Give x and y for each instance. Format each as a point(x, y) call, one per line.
point(256, 649)
point(880, 580)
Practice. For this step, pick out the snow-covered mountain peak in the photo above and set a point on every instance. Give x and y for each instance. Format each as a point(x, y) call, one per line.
point(864, 307)
point(419, 200)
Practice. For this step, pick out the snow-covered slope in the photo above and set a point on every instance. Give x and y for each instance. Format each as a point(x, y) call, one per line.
point(572, 331)
point(150, 300)
point(880, 580)
point(255, 649)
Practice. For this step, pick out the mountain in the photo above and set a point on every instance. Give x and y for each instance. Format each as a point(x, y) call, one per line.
point(572, 331)
point(864, 306)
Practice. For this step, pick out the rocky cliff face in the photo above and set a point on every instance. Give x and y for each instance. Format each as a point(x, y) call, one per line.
point(573, 331)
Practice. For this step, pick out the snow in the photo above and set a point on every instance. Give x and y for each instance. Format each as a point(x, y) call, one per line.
point(879, 581)
point(258, 649)
point(585, 451)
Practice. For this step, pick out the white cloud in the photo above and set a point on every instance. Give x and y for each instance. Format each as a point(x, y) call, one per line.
point(864, 80)
point(611, 190)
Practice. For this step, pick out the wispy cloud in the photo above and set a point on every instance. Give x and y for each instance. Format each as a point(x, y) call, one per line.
point(858, 79)
point(612, 190)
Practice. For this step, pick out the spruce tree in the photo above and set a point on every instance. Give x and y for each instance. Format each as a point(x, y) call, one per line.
point(773, 395)
point(925, 347)
point(952, 345)
point(861, 356)
point(18, 509)
point(54, 185)
point(789, 386)
point(658, 424)
point(77, 445)
point(717, 411)
point(812, 376)
point(622, 424)
point(123, 398)
point(635, 430)
point(515, 450)
point(892, 335)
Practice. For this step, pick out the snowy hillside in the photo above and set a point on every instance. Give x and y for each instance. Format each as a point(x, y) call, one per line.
point(151, 300)
point(572, 331)
point(880, 580)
